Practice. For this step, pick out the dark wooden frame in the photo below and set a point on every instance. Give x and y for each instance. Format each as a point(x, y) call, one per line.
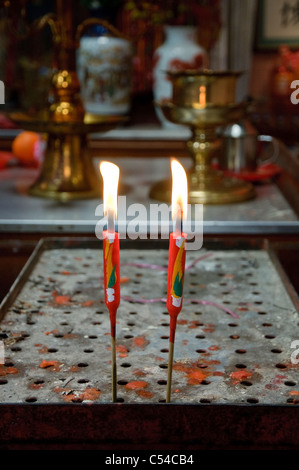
point(266, 10)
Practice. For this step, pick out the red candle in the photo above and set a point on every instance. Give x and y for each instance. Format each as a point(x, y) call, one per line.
point(176, 256)
point(111, 258)
point(111, 275)
point(175, 283)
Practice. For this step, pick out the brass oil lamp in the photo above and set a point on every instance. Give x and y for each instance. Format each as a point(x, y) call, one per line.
point(67, 171)
point(204, 100)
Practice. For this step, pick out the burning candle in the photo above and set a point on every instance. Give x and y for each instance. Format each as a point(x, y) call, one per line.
point(111, 259)
point(176, 257)
point(202, 96)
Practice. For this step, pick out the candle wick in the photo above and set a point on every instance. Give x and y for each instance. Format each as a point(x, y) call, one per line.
point(177, 225)
point(111, 221)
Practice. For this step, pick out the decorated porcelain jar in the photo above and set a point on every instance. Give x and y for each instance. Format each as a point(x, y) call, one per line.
point(179, 51)
point(104, 67)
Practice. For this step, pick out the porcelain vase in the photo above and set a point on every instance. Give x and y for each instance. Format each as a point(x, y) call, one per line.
point(179, 51)
point(104, 67)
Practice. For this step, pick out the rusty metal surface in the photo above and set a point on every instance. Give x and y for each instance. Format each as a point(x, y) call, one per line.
point(55, 328)
point(234, 384)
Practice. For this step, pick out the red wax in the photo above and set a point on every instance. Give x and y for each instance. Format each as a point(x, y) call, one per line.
point(111, 275)
point(175, 283)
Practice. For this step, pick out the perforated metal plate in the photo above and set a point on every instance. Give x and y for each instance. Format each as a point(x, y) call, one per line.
point(55, 329)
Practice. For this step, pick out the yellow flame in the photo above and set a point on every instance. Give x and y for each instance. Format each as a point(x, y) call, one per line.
point(202, 96)
point(179, 199)
point(110, 174)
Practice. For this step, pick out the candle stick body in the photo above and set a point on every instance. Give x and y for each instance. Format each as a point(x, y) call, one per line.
point(111, 275)
point(175, 283)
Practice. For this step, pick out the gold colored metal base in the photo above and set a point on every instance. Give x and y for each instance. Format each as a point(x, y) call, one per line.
point(226, 191)
point(206, 185)
point(222, 191)
point(67, 172)
point(207, 117)
point(41, 122)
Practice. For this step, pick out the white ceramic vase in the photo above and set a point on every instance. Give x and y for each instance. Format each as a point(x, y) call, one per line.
point(179, 51)
point(104, 67)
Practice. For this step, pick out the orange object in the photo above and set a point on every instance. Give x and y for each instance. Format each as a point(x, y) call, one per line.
point(62, 299)
point(45, 364)
point(136, 384)
point(27, 148)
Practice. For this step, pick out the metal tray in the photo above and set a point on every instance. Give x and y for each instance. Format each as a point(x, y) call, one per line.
point(235, 381)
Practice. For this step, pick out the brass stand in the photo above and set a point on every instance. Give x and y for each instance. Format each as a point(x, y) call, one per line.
point(67, 171)
point(206, 185)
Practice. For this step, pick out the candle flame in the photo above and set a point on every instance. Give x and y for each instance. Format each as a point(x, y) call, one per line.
point(202, 96)
point(179, 198)
point(110, 174)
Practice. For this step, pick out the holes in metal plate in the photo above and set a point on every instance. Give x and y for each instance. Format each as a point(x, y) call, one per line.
point(203, 340)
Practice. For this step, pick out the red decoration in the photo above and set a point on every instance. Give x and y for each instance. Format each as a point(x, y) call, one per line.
point(197, 63)
point(111, 275)
point(175, 283)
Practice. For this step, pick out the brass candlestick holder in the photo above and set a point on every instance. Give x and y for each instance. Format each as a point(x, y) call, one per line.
point(204, 101)
point(67, 171)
